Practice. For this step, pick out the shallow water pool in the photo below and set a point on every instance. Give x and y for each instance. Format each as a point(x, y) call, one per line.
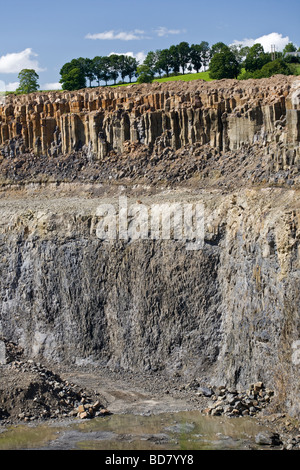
point(188, 430)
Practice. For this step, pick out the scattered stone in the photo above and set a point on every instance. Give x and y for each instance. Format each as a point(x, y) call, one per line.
point(231, 403)
point(97, 405)
point(265, 438)
point(257, 387)
point(205, 391)
point(40, 393)
point(104, 412)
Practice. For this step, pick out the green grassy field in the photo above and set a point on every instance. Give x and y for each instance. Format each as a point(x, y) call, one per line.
point(186, 78)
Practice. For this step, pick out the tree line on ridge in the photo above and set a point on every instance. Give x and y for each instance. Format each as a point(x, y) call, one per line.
point(221, 61)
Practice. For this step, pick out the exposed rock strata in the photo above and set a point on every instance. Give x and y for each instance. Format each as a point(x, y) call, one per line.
point(225, 115)
point(228, 313)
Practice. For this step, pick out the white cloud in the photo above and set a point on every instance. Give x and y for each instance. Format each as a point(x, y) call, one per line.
point(163, 31)
point(139, 56)
point(2, 86)
point(267, 41)
point(16, 61)
point(121, 35)
point(12, 86)
point(136, 34)
point(51, 86)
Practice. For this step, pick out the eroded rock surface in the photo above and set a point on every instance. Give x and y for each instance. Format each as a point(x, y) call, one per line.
point(227, 313)
point(226, 115)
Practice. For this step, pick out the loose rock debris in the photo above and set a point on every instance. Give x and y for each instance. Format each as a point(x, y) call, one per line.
point(29, 391)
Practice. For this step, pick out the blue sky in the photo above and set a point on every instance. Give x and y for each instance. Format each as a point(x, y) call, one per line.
point(45, 35)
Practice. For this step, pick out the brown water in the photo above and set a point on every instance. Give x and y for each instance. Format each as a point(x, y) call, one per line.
point(187, 430)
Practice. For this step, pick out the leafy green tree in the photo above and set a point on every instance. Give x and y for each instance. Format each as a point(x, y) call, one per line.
point(72, 76)
point(256, 58)
point(183, 51)
point(240, 52)
point(290, 59)
point(114, 66)
point(131, 65)
point(98, 68)
point(74, 80)
point(89, 70)
point(275, 67)
point(199, 55)
point(205, 53)
point(121, 66)
point(290, 47)
point(165, 61)
point(175, 58)
point(106, 70)
point(28, 81)
point(152, 61)
point(224, 65)
point(216, 48)
point(86, 67)
point(127, 66)
point(145, 74)
point(69, 66)
point(196, 56)
point(102, 69)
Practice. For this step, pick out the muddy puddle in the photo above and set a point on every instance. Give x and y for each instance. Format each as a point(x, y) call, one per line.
point(185, 430)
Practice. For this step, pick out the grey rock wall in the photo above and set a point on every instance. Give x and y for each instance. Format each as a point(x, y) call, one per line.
point(227, 313)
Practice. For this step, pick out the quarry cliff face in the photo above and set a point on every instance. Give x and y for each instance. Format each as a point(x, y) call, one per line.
point(226, 313)
point(226, 115)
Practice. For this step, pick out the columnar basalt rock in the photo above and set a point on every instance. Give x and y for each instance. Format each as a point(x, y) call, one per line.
point(226, 115)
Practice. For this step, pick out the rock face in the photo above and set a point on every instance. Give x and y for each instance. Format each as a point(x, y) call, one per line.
point(226, 116)
point(226, 313)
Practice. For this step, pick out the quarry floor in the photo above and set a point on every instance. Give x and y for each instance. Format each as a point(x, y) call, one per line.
point(129, 395)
